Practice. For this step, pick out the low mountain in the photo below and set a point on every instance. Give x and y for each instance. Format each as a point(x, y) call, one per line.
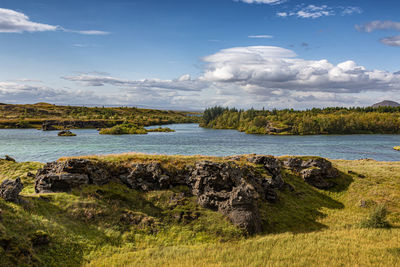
point(386, 103)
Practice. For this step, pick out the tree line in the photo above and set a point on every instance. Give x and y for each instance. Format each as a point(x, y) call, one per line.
point(332, 120)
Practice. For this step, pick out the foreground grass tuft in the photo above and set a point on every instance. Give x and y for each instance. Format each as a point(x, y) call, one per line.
point(377, 218)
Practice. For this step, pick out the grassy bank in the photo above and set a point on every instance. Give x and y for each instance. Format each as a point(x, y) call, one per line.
point(33, 116)
point(112, 225)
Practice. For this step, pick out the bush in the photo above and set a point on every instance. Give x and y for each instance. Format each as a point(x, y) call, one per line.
point(376, 219)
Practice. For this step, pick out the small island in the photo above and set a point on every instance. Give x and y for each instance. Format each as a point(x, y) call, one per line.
point(66, 133)
point(129, 128)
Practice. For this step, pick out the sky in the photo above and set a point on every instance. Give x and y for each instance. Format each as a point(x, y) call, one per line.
point(193, 54)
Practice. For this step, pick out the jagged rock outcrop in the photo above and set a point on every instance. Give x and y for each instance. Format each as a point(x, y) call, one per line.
point(314, 170)
point(272, 165)
point(146, 176)
point(65, 175)
point(228, 187)
point(10, 189)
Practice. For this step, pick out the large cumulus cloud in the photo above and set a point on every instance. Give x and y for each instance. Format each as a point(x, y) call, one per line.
point(264, 69)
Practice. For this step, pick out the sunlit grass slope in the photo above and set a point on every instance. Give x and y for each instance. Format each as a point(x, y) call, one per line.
point(116, 226)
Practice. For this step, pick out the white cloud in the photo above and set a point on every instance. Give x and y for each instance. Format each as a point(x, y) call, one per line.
point(314, 11)
point(16, 22)
point(261, 36)
point(183, 83)
point(88, 32)
point(269, 2)
point(391, 41)
point(351, 10)
point(382, 25)
point(379, 25)
point(13, 92)
point(261, 70)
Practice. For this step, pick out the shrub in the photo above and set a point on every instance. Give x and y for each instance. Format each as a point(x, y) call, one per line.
point(376, 219)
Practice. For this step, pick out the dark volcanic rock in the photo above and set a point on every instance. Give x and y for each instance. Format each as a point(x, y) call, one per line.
point(225, 187)
point(8, 158)
point(147, 176)
point(231, 189)
point(314, 171)
point(66, 133)
point(9, 190)
point(65, 175)
point(272, 166)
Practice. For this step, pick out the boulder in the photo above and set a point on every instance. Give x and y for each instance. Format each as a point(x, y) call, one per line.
point(8, 158)
point(225, 187)
point(66, 133)
point(272, 165)
point(146, 176)
point(10, 189)
point(64, 175)
point(314, 171)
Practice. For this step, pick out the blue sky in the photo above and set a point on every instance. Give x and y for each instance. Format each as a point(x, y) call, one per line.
point(195, 53)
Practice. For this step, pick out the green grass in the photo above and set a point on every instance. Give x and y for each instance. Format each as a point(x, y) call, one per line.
point(112, 225)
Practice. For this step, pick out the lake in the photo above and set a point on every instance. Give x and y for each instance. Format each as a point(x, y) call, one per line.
point(190, 139)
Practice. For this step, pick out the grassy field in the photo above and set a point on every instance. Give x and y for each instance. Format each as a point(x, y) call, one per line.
point(116, 226)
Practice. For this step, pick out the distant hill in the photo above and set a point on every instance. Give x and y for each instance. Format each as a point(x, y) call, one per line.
point(386, 103)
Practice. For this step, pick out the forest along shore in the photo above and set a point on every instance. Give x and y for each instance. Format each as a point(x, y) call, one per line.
point(337, 120)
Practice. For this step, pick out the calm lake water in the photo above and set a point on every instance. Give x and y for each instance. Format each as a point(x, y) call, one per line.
point(189, 139)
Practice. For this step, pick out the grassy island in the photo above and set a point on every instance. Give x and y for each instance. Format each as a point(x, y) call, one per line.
point(115, 225)
point(380, 120)
point(128, 128)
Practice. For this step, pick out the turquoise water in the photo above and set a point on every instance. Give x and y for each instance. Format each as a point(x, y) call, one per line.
point(189, 139)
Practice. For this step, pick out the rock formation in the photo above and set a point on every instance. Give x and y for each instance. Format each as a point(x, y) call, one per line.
point(10, 189)
point(228, 187)
point(313, 170)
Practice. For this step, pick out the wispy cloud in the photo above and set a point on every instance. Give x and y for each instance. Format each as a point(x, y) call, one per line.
point(382, 25)
point(315, 11)
point(378, 25)
point(351, 10)
point(391, 40)
point(183, 83)
point(16, 22)
point(269, 2)
point(88, 32)
point(261, 36)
